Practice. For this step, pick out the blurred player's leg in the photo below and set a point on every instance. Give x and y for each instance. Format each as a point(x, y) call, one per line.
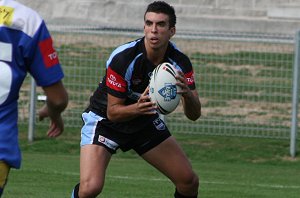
point(4, 170)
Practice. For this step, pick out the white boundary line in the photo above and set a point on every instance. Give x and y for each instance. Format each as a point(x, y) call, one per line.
point(275, 186)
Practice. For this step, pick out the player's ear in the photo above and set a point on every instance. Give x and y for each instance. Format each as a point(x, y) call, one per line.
point(173, 31)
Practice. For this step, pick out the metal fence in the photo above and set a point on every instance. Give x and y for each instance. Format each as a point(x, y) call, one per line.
point(245, 81)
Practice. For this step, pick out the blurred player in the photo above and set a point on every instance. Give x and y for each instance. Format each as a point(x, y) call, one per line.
point(120, 114)
point(25, 46)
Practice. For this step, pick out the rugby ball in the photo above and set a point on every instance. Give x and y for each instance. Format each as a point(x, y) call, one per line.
point(163, 89)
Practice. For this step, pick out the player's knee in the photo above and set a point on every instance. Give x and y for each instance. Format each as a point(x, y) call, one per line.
point(196, 181)
point(89, 189)
point(190, 182)
point(193, 181)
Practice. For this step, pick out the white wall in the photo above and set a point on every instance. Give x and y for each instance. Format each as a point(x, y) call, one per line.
point(271, 16)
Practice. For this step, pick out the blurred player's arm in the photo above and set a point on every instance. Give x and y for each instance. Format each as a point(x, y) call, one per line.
point(56, 103)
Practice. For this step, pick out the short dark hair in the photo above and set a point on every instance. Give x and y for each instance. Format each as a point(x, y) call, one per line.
point(162, 7)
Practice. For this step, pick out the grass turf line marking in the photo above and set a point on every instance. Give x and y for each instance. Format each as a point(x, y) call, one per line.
point(276, 186)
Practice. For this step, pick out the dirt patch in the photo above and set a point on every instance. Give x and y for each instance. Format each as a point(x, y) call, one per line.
point(186, 45)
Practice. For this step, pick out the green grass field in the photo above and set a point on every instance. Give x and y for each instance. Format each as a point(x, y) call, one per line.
point(229, 167)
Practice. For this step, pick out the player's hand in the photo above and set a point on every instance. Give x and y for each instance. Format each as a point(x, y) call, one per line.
point(56, 127)
point(144, 104)
point(182, 83)
point(56, 124)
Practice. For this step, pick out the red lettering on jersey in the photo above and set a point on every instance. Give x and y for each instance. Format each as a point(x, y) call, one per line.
point(190, 78)
point(115, 81)
point(48, 53)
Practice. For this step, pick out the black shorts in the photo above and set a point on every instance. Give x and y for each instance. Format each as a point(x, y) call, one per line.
point(94, 131)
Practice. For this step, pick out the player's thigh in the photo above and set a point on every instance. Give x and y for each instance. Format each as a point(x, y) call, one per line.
point(94, 160)
point(169, 158)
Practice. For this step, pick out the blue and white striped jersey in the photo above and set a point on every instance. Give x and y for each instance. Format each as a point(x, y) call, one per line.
point(25, 47)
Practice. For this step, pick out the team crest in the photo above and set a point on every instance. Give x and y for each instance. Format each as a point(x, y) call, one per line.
point(168, 92)
point(159, 124)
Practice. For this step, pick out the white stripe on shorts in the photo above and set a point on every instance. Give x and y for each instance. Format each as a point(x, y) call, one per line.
point(88, 130)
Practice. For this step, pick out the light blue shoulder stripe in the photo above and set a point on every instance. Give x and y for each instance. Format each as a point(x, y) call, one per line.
point(171, 60)
point(129, 71)
point(120, 49)
point(175, 64)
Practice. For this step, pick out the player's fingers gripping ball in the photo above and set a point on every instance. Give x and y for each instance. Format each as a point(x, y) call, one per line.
point(163, 89)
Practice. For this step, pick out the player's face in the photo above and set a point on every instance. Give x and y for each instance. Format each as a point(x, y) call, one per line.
point(157, 31)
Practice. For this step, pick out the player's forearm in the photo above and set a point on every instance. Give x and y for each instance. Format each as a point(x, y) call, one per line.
point(57, 99)
point(118, 111)
point(121, 113)
point(192, 106)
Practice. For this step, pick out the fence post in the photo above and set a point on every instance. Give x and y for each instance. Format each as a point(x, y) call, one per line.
point(295, 96)
point(31, 124)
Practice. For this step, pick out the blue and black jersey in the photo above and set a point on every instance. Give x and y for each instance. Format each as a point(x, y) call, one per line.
point(128, 72)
